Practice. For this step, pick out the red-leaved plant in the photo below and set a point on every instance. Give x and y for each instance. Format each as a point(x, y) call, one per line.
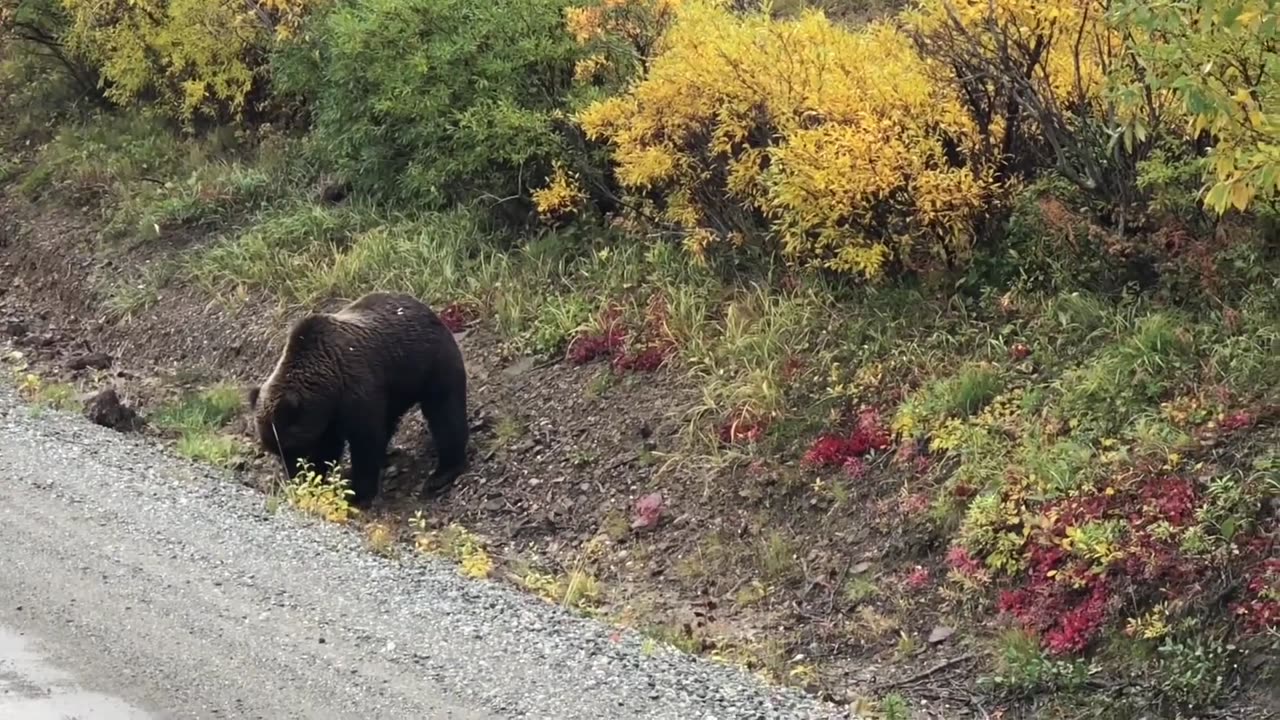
point(741, 427)
point(1069, 600)
point(604, 343)
point(1259, 610)
point(646, 349)
point(456, 316)
point(868, 435)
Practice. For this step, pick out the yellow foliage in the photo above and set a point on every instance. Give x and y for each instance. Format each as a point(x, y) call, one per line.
point(1002, 413)
point(544, 585)
point(380, 537)
point(196, 55)
point(865, 378)
point(621, 32)
point(562, 195)
point(1095, 542)
point(909, 421)
point(315, 495)
point(949, 436)
point(1216, 61)
point(287, 15)
point(1152, 626)
point(1077, 39)
point(619, 18)
point(476, 563)
point(586, 69)
point(29, 385)
point(836, 136)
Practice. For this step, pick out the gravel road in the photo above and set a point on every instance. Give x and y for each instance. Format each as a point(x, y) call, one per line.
point(173, 588)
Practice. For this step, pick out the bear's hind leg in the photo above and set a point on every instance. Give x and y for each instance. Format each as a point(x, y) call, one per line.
point(446, 416)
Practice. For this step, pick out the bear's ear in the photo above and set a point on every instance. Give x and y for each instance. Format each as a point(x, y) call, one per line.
point(252, 396)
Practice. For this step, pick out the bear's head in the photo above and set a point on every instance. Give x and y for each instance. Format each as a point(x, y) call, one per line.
point(283, 421)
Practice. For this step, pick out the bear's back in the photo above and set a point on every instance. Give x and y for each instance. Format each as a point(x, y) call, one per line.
point(391, 340)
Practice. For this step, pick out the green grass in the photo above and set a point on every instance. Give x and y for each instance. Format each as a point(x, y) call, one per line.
point(219, 450)
point(961, 395)
point(1063, 466)
point(9, 169)
point(204, 410)
point(777, 558)
point(858, 590)
point(1023, 669)
point(59, 396)
point(1149, 359)
point(197, 419)
point(124, 300)
point(107, 156)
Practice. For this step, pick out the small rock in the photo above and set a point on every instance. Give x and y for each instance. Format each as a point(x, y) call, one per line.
point(106, 409)
point(861, 567)
point(94, 360)
point(940, 633)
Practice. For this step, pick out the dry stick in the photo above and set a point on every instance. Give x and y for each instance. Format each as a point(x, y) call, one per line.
point(931, 671)
point(622, 461)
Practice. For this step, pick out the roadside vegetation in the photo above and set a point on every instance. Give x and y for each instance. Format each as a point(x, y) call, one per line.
point(980, 299)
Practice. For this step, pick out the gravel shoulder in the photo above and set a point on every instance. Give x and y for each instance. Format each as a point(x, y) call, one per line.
point(175, 588)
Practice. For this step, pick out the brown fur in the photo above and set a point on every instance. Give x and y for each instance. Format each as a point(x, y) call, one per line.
point(347, 379)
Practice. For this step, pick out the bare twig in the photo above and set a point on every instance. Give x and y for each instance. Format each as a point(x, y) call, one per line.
point(930, 672)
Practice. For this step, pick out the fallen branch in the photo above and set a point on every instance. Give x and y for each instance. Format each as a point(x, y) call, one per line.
point(930, 672)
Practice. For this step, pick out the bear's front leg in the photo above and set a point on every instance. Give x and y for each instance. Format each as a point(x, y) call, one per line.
point(326, 453)
point(368, 453)
point(293, 464)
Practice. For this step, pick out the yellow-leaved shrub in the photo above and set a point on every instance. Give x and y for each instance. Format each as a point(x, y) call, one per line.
point(619, 35)
point(1072, 38)
point(191, 55)
point(1034, 76)
point(835, 146)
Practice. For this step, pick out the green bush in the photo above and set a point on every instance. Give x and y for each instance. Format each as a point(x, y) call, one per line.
point(435, 101)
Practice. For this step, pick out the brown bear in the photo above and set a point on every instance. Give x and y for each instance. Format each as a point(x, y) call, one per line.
point(348, 377)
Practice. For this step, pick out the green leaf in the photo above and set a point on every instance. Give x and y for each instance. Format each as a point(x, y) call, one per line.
point(1216, 199)
point(1229, 15)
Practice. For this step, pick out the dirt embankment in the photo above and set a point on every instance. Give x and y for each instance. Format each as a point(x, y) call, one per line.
point(560, 457)
point(548, 455)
